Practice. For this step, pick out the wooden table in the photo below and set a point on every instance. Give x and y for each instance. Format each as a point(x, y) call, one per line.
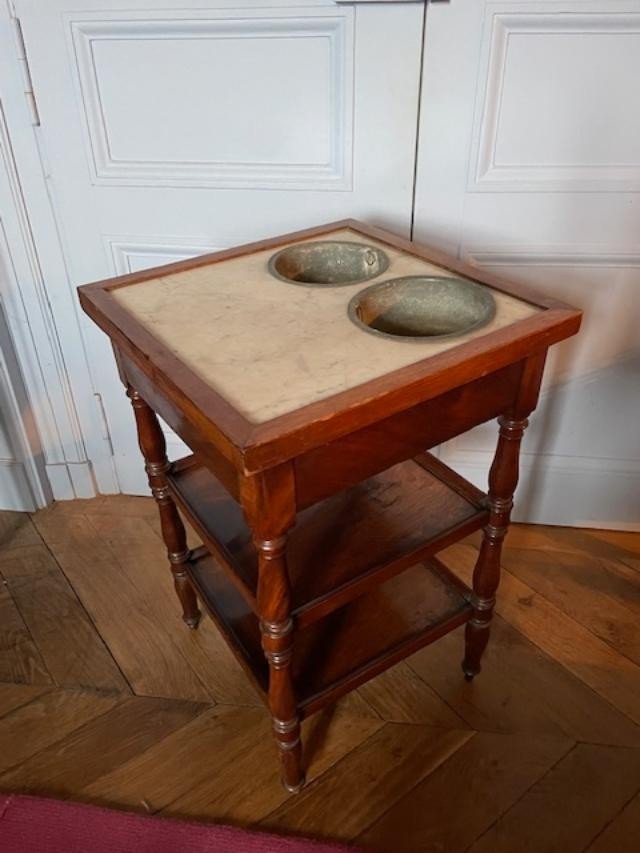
point(320, 510)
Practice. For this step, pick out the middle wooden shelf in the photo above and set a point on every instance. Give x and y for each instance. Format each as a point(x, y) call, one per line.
point(344, 545)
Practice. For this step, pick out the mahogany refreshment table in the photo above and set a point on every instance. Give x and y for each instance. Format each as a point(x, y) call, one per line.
point(308, 392)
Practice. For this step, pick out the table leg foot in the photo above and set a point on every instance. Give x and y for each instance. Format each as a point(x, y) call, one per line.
point(294, 789)
point(192, 622)
point(469, 674)
point(290, 748)
point(191, 614)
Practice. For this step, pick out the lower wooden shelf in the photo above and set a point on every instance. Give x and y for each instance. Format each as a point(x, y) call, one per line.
point(352, 644)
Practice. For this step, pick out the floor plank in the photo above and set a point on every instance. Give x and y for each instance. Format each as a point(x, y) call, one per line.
point(246, 785)
point(553, 809)
point(142, 645)
point(627, 546)
point(164, 771)
point(99, 746)
point(142, 557)
point(622, 833)
point(20, 660)
point(46, 720)
point(16, 530)
point(120, 506)
point(619, 545)
point(612, 544)
point(463, 797)
point(222, 765)
point(588, 589)
point(541, 752)
point(613, 676)
point(399, 696)
point(387, 766)
point(72, 649)
point(624, 541)
point(520, 689)
point(14, 696)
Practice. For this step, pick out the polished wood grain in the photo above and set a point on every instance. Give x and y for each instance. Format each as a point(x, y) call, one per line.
point(544, 741)
point(145, 721)
point(14, 696)
point(325, 509)
point(415, 607)
point(487, 782)
point(20, 660)
point(343, 545)
point(401, 696)
point(605, 776)
point(374, 448)
point(46, 720)
point(622, 833)
point(71, 650)
point(387, 766)
point(149, 652)
point(613, 676)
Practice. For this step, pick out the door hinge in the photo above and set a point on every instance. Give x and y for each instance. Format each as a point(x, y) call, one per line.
point(25, 70)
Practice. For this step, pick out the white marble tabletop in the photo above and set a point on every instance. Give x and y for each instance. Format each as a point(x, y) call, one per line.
point(270, 347)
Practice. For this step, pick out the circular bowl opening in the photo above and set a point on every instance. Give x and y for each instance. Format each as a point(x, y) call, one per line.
point(421, 308)
point(328, 262)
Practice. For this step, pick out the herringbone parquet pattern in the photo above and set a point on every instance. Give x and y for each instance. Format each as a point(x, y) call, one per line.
point(106, 697)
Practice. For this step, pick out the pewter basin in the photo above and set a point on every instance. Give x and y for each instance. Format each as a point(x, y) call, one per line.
point(328, 262)
point(419, 308)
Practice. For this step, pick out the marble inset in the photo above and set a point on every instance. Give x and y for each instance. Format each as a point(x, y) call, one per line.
point(270, 347)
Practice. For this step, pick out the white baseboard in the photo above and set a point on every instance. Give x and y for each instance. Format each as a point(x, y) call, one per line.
point(82, 479)
point(71, 480)
point(565, 490)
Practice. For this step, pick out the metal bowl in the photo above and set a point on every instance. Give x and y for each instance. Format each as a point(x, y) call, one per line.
point(328, 262)
point(421, 308)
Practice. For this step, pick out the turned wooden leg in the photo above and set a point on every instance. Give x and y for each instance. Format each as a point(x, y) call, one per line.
point(503, 479)
point(277, 630)
point(154, 450)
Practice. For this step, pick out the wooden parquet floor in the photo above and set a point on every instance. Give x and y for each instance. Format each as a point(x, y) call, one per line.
point(106, 697)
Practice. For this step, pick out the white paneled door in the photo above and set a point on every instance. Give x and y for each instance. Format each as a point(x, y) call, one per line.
point(529, 164)
point(169, 129)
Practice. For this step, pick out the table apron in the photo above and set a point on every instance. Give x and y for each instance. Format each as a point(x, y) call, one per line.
point(350, 459)
point(335, 466)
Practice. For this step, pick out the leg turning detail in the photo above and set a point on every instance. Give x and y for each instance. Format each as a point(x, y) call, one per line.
point(154, 450)
point(503, 479)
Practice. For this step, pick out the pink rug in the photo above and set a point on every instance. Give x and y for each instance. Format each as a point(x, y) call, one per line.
point(34, 825)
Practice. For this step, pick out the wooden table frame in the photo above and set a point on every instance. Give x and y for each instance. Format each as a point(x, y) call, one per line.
point(250, 483)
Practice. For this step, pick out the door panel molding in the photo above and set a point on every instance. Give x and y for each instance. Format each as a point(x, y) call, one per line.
point(523, 138)
point(137, 253)
point(130, 137)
